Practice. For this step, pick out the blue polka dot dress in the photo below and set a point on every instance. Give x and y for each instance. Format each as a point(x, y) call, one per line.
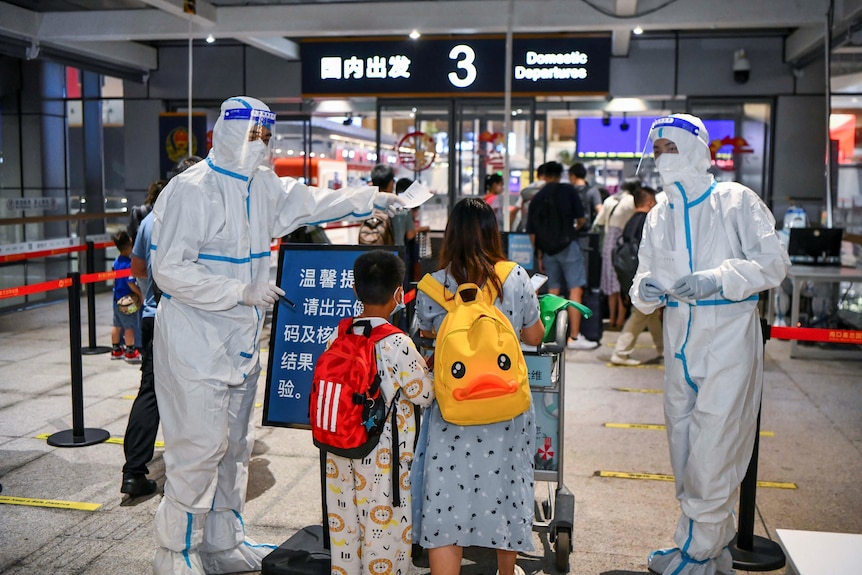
point(477, 484)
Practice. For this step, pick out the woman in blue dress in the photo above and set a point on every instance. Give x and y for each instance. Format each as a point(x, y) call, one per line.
point(478, 479)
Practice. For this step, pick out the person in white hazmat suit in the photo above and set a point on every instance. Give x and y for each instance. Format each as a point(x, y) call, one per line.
point(211, 236)
point(708, 249)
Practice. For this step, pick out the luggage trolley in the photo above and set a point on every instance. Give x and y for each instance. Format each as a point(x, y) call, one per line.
point(555, 512)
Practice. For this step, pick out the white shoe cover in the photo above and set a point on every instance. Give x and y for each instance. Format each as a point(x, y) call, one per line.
point(672, 561)
point(244, 557)
point(173, 563)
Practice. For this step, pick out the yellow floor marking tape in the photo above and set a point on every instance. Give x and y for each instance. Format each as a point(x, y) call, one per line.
point(662, 427)
point(132, 397)
point(55, 503)
point(665, 477)
point(114, 440)
point(256, 405)
point(636, 426)
point(636, 390)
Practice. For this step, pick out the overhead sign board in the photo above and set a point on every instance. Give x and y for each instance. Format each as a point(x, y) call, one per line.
point(468, 66)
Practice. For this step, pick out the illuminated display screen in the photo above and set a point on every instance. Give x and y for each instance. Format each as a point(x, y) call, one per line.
point(595, 140)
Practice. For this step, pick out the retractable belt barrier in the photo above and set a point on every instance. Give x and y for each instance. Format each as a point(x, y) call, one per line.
point(825, 335)
point(79, 435)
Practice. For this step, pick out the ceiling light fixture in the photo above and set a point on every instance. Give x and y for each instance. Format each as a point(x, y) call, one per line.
point(638, 31)
point(415, 34)
point(210, 39)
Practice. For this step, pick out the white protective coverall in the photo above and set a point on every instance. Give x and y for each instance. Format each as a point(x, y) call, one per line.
point(713, 342)
point(211, 237)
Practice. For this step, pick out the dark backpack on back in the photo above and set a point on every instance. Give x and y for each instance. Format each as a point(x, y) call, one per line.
point(376, 230)
point(624, 258)
point(552, 230)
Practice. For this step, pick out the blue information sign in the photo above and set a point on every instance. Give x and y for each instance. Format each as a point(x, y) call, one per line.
point(318, 284)
point(521, 250)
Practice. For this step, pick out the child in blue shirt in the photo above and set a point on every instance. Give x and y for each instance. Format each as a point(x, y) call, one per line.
point(127, 318)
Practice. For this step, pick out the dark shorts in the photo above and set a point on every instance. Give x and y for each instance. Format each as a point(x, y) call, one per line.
point(566, 267)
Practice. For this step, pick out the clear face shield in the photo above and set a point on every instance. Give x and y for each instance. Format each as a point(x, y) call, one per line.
point(660, 141)
point(258, 129)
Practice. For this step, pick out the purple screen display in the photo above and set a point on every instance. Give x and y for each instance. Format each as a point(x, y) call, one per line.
point(600, 141)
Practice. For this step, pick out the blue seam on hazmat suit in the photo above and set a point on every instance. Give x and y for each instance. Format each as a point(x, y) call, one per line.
point(686, 207)
point(706, 302)
point(225, 172)
point(189, 517)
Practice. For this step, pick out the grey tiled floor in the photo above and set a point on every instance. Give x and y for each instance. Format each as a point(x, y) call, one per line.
point(812, 413)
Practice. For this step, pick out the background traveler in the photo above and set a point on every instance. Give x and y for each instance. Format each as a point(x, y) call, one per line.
point(483, 496)
point(709, 248)
point(554, 217)
point(615, 213)
point(527, 195)
point(591, 197)
point(382, 228)
point(127, 326)
point(138, 213)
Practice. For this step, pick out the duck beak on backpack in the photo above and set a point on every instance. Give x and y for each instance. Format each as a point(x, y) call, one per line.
point(484, 378)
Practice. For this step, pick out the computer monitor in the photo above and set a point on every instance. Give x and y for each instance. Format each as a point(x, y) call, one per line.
point(815, 246)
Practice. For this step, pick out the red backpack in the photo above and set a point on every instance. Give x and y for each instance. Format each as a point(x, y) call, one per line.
point(346, 409)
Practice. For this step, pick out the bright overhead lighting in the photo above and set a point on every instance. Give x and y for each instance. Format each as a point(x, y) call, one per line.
point(638, 31)
point(210, 39)
point(415, 34)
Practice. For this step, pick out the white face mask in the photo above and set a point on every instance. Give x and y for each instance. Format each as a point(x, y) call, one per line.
point(672, 168)
point(255, 154)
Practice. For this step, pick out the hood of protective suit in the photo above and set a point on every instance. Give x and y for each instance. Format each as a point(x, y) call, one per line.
point(231, 149)
point(684, 174)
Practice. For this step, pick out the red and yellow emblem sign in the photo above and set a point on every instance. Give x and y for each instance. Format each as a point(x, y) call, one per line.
point(416, 151)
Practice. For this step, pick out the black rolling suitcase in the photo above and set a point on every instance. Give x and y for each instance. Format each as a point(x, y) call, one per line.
point(302, 554)
point(592, 328)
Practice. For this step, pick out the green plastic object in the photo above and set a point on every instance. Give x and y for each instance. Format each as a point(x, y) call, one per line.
point(550, 304)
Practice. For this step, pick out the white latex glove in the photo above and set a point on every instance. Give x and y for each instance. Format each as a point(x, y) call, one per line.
point(260, 294)
point(389, 203)
point(698, 285)
point(651, 290)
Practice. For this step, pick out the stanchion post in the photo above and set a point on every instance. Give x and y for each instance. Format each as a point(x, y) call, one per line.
point(78, 436)
point(751, 552)
point(92, 348)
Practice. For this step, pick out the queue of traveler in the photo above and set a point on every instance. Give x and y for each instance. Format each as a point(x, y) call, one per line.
point(457, 482)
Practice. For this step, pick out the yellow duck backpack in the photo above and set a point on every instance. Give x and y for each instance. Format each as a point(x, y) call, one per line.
point(480, 375)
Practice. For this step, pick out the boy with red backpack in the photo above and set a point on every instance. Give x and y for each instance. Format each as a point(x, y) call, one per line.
point(364, 406)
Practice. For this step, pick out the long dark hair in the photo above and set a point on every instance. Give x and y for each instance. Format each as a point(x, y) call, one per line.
point(471, 244)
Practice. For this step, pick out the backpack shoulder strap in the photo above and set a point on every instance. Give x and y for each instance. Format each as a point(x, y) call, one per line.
point(503, 269)
point(383, 330)
point(437, 292)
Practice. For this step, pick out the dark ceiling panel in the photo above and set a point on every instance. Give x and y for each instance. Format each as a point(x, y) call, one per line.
point(78, 5)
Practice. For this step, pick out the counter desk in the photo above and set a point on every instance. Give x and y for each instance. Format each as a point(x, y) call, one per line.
point(833, 275)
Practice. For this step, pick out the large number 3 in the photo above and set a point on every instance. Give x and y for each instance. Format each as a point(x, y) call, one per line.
point(465, 56)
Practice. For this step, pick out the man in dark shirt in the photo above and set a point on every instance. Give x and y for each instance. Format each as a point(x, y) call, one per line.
point(555, 214)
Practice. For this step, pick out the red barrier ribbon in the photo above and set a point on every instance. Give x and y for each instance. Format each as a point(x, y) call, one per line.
point(34, 288)
point(102, 276)
point(410, 296)
point(19, 291)
point(41, 254)
point(816, 334)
